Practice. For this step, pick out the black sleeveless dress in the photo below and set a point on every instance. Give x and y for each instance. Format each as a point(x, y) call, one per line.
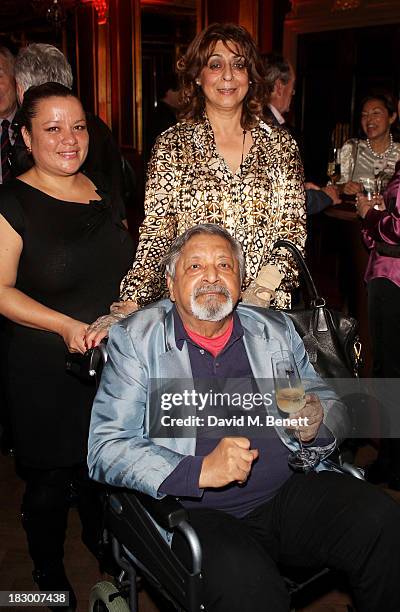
point(73, 259)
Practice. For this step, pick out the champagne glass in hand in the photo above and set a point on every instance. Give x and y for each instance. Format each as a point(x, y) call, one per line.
point(290, 398)
point(369, 187)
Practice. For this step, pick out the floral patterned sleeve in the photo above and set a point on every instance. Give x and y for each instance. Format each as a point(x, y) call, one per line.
point(144, 282)
point(289, 219)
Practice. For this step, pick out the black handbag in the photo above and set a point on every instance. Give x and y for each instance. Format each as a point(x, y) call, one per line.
point(86, 367)
point(330, 337)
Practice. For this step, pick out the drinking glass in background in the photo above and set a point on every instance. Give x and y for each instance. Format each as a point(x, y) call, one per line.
point(379, 173)
point(372, 188)
point(369, 187)
point(290, 397)
point(333, 167)
point(378, 185)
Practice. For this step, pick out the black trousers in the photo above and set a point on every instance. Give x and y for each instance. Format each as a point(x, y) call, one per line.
point(315, 520)
point(384, 326)
point(46, 502)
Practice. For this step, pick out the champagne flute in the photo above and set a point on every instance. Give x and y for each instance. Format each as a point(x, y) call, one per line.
point(379, 173)
point(290, 398)
point(333, 167)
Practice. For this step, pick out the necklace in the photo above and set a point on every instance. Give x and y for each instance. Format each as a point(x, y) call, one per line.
point(242, 158)
point(385, 153)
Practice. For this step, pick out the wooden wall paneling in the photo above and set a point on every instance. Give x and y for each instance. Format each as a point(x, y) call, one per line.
point(255, 15)
point(265, 26)
point(86, 78)
point(109, 69)
point(115, 74)
point(103, 73)
point(222, 11)
point(321, 15)
point(136, 50)
point(126, 77)
point(201, 14)
point(248, 16)
point(122, 74)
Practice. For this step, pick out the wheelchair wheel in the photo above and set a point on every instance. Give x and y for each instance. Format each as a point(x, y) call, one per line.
point(105, 597)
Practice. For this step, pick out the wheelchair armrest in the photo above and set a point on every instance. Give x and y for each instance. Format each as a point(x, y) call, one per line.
point(129, 519)
point(168, 512)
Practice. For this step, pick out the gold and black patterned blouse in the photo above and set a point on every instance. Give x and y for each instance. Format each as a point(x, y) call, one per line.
point(188, 183)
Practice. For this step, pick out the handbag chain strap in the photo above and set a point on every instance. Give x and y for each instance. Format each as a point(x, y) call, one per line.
point(316, 300)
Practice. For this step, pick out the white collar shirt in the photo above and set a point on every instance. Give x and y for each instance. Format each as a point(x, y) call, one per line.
point(280, 119)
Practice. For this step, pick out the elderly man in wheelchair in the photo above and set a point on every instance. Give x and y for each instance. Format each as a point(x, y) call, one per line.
point(251, 511)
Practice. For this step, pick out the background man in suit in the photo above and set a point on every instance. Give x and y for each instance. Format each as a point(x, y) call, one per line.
point(281, 79)
point(8, 107)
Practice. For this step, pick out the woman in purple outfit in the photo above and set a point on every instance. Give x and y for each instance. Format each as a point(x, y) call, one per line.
point(381, 234)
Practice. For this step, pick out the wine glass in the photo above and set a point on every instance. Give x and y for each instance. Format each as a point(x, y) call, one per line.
point(369, 186)
point(290, 398)
point(333, 167)
point(379, 174)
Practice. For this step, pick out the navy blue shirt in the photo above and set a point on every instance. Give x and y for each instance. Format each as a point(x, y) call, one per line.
point(269, 471)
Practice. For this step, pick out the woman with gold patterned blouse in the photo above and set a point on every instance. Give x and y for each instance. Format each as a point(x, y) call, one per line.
point(220, 164)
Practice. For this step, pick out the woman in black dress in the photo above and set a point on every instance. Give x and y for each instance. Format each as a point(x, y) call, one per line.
point(63, 252)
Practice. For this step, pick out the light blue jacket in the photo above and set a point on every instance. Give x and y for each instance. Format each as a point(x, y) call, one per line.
point(142, 347)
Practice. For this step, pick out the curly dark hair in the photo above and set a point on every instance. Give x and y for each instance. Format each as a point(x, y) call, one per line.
point(197, 56)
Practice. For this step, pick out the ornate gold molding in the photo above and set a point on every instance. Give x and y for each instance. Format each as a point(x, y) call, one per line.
point(321, 15)
point(345, 5)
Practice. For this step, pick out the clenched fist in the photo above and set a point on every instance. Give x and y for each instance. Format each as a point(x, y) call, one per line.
point(230, 461)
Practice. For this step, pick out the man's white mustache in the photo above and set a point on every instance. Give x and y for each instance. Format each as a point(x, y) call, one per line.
point(212, 288)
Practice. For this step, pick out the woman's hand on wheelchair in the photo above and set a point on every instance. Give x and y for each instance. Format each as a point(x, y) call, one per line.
point(98, 330)
point(73, 333)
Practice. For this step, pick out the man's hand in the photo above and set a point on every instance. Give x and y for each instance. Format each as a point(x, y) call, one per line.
point(230, 461)
point(314, 412)
point(351, 188)
point(309, 185)
point(333, 192)
point(330, 190)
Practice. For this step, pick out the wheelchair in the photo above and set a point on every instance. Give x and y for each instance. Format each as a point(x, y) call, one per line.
point(139, 550)
point(138, 547)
